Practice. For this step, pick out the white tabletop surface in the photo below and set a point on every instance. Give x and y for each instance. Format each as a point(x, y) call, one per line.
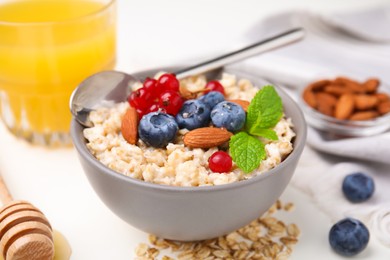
point(153, 34)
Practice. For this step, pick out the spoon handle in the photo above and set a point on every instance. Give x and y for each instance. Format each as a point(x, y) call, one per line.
point(5, 195)
point(268, 44)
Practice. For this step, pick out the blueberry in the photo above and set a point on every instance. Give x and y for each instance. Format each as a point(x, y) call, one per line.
point(157, 129)
point(348, 237)
point(193, 114)
point(358, 187)
point(228, 115)
point(212, 98)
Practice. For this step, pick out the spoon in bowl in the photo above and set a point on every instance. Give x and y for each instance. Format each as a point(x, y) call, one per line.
point(109, 87)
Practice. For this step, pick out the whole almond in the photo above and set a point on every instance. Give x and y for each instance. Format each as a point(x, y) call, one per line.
point(364, 102)
point(319, 84)
point(129, 127)
point(206, 137)
point(384, 107)
point(353, 85)
point(243, 103)
point(309, 97)
point(344, 106)
point(337, 90)
point(382, 97)
point(364, 115)
point(371, 85)
point(325, 103)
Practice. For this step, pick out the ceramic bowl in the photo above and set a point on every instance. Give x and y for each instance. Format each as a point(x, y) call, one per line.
point(192, 213)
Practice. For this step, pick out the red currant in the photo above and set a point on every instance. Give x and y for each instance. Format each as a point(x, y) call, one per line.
point(220, 162)
point(140, 99)
point(169, 81)
point(171, 101)
point(156, 107)
point(152, 86)
point(214, 85)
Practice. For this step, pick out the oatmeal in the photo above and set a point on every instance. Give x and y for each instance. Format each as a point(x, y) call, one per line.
point(177, 164)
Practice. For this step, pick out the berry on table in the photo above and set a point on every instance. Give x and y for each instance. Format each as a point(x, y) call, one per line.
point(157, 129)
point(193, 114)
point(220, 162)
point(348, 237)
point(169, 81)
point(358, 187)
point(171, 102)
point(212, 98)
point(214, 85)
point(228, 115)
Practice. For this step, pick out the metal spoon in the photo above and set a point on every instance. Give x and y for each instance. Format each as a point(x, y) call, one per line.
point(109, 87)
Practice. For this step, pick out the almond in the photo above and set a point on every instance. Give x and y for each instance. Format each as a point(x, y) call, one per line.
point(337, 90)
point(188, 94)
point(364, 102)
point(344, 106)
point(364, 115)
point(206, 137)
point(382, 97)
point(243, 103)
point(371, 85)
point(353, 85)
point(309, 97)
point(325, 103)
point(129, 127)
point(384, 107)
point(319, 84)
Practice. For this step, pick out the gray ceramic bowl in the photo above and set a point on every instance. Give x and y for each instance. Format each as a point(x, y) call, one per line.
point(192, 213)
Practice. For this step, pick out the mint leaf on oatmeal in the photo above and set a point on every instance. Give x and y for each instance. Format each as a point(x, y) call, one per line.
point(246, 151)
point(264, 112)
point(267, 133)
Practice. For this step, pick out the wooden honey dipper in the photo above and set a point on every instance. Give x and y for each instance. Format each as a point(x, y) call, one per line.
point(25, 233)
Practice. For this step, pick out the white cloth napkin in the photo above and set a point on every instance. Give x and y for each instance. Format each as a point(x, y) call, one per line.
point(328, 51)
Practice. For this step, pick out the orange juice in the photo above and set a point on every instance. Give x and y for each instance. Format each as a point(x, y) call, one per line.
point(47, 47)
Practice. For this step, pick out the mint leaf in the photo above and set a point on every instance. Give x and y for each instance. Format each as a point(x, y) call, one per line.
point(267, 133)
point(265, 110)
point(246, 151)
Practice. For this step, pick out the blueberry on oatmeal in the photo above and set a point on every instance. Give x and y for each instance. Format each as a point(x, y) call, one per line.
point(193, 114)
point(157, 129)
point(212, 98)
point(228, 115)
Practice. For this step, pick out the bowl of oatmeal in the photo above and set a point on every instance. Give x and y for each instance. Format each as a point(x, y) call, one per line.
point(174, 185)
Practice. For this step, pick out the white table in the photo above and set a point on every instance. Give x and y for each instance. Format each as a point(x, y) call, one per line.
point(154, 34)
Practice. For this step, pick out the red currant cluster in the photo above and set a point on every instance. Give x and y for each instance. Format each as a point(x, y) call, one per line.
point(157, 95)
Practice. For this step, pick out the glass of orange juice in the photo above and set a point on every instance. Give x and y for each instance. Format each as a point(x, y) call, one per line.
point(47, 47)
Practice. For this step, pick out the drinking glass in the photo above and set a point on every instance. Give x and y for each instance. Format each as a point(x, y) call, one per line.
point(47, 47)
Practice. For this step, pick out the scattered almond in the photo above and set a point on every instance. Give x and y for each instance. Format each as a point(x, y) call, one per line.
point(243, 103)
point(344, 107)
point(129, 127)
point(206, 137)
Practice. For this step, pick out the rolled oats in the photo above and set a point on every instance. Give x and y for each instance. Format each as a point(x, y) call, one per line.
point(253, 241)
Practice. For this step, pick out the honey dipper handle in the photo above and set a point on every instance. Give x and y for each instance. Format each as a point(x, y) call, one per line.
point(5, 196)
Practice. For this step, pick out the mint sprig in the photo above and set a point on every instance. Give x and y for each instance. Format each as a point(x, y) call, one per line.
point(264, 112)
point(246, 151)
